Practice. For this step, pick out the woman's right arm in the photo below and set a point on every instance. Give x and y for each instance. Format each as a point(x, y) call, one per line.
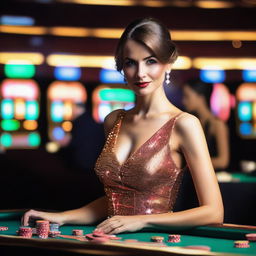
point(88, 214)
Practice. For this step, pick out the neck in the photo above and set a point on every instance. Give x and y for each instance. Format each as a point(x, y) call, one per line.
point(152, 104)
point(204, 114)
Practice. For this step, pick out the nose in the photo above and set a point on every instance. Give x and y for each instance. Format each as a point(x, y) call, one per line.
point(141, 71)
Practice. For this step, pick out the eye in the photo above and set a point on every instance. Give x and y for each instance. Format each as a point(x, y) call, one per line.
point(151, 61)
point(129, 63)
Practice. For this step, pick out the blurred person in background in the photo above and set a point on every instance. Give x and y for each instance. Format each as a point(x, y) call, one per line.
point(196, 99)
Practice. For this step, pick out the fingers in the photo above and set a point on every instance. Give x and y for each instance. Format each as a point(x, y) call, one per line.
point(110, 226)
point(29, 215)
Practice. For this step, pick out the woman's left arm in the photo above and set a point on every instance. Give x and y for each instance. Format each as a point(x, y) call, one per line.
point(210, 210)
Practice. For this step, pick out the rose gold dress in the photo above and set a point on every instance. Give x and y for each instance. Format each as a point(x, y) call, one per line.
point(147, 182)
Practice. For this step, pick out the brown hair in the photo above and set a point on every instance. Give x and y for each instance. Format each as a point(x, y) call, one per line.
point(151, 33)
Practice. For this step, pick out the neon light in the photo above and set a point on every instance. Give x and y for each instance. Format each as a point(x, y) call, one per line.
point(17, 20)
point(104, 110)
point(34, 139)
point(249, 75)
point(32, 110)
point(57, 111)
point(212, 76)
point(254, 111)
point(19, 71)
point(72, 91)
point(10, 125)
point(7, 109)
point(58, 133)
point(245, 129)
point(220, 101)
point(19, 109)
point(245, 111)
point(117, 94)
point(67, 111)
point(67, 73)
point(67, 126)
point(111, 76)
point(128, 106)
point(15, 88)
point(6, 140)
point(30, 125)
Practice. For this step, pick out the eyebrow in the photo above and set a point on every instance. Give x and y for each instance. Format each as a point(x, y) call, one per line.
point(148, 57)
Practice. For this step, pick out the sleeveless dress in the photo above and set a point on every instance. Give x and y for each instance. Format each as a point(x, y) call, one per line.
point(148, 181)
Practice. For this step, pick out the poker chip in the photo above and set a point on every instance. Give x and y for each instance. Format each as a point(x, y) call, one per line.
point(25, 232)
point(198, 247)
point(54, 226)
point(3, 228)
point(251, 237)
point(98, 233)
point(157, 239)
point(173, 238)
point(42, 228)
point(77, 232)
point(241, 244)
point(54, 233)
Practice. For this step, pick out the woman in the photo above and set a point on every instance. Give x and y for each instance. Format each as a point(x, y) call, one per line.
point(140, 164)
point(196, 99)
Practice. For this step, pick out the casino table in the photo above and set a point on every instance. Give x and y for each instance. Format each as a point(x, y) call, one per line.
point(219, 238)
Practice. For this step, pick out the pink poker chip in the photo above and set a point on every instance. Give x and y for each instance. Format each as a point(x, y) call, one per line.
point(3, 228)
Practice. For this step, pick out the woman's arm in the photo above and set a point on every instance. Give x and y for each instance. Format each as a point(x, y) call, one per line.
point(194, 147)
point(88, 214)
point(222, 143)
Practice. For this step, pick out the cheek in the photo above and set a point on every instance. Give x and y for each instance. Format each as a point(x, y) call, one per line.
point(156, 72)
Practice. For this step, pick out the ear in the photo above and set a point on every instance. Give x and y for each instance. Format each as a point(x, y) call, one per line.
point(168, 67)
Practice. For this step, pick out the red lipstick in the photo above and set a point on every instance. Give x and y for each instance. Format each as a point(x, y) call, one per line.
point(142, 84)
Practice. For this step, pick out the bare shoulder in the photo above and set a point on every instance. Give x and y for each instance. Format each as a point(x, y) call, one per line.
point(110, 120)
point(187, 123)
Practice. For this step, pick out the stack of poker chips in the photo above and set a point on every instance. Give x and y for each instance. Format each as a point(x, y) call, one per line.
point(42, 228)
point(3, 228)
point(241, 244)
point(25, 232)
point(173, 238)
point(157, 239)
point(77, 232)
point(54, 230)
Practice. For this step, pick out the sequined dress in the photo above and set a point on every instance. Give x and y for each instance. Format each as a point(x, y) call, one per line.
point(147, 182)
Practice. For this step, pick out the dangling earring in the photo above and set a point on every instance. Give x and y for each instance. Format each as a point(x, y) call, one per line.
point(167, 79)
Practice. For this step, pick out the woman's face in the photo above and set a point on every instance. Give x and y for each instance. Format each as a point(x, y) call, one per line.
point(142, 70)
point(191, 99)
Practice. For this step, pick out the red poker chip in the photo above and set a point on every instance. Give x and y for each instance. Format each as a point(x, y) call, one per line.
point(173, 236)
point(98, 233)
point(3, 228)
point(173, 240)
point(242, 246)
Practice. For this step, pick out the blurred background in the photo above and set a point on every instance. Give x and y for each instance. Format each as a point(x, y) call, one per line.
point(58, 82)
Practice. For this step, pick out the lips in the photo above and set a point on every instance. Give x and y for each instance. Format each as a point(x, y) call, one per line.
point(142, 84)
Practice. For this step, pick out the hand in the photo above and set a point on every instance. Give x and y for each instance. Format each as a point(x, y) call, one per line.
point(32, 214)
point(119, 224)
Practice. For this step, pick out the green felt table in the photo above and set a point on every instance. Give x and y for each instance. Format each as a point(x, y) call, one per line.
point(220, 238)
